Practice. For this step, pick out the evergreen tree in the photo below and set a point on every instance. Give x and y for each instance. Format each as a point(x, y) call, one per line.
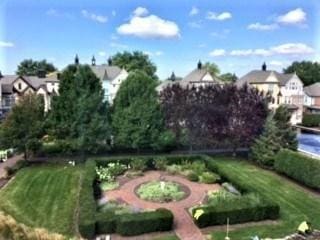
point(267, 144)
point(137, 119)
point(79, 113)
point(29, 67)
point(23, 127)
point(287, 134)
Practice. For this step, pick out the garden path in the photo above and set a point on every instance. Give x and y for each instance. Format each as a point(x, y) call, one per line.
point(10, 162)
point(184, 226)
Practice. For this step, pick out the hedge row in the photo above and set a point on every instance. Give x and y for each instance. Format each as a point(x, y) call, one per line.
point(238, 210)
point(311, 120)
point(304, 169)
point(135, 223)
point(87, 203)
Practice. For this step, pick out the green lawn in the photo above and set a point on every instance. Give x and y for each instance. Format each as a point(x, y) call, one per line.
point(296, 203)
point(43, 196)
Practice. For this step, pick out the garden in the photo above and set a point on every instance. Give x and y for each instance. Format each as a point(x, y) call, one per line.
point(130, 196)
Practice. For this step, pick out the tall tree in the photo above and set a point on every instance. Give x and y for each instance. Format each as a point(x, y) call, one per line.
point(137, 119)
point(79, 113)
point(30, 67)
point(23, 127)
point(287, 134)
point(228, 77)
point(135, 61)
point(308, 72)
point(212, 68)
point(267, 144)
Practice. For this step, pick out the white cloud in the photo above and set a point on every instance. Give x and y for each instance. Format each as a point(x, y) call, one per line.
point(296, 16)
point(6, 44)
point(219, 16)
point(55, 13)
point(102, 54)
point(262, 27)
point(195, 24)
point(194, 11)
point(52, 12)
point(140, 12)
point(118, 45)
point(202, 45)
point(94, 17)
point(276, 63)
point(222, 34)
point(150, 26)
point(113, 37)
point(217, 53)
point(283, 49)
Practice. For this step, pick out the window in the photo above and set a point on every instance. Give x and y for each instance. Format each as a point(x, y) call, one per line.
point(270, 88)
point(19, 86)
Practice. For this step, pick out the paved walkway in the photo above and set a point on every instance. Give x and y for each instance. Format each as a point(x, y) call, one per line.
point(9, 163)
point(183, 222)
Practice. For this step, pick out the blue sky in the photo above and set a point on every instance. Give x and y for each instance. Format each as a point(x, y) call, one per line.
point(236, 35)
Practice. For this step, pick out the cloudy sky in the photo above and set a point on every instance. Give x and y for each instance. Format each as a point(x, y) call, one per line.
point(236, 35)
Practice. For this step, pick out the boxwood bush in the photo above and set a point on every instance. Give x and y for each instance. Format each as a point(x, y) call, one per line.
point(303, 169)
point(311, 120)
point(87, 203)
point(106, 223)
point(145, 222)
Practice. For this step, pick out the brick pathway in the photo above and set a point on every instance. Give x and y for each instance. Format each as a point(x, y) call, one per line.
point(183, 222)
point(9, 163)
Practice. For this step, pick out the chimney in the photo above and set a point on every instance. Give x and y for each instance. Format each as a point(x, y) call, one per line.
point(1, 76)
point(264, 67)
point(173, 77)
point(199, 65)
point(41, 73)
point(110, 61)
point(93, 61)
point(76, 60)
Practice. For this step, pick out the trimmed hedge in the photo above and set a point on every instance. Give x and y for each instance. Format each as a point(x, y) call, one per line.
point(145, 222)
point(238, 210)
point(311, 120)
point(303, 169)
point(87, 203)
point(106, 223)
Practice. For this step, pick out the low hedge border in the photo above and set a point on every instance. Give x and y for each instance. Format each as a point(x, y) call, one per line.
point(132, 224)
point(311, 120)
point(301, 168)
point(87, 203)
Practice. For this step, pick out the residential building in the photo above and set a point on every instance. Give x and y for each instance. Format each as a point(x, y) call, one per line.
point(14, 86)
point(312, 98)
point(198, 77)
point(282, 89)
point(110, 76)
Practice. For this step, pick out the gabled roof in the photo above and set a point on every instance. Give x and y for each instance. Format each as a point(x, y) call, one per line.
point(313, 90)
point(260, 76)
point(196, 76)
point(106, 72)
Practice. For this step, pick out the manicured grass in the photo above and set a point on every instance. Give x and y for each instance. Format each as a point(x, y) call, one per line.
point(43, 196)
point(296, 204)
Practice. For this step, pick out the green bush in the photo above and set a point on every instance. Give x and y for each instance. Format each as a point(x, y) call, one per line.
point(138, 164)
point(106, 223)
point(242, 209)
point(145, 222)
point(304, 169)
point(192, 176)
point(209, 178)
point(311, 120)
point(160, 163)
point(87, 203)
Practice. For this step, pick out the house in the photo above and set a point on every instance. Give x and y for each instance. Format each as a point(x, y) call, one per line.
point(14, 86)
point(282, 89)
point(110, 76)
point(312, 98)
point(198, 77)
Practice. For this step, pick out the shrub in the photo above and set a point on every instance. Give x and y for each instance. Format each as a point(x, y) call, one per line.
point(87, 203)
point(138, 164)
point(299, 167)
point(311, 120)
point(106, 223)
point(192, 176)
point(173, 169)
point(160, 163)
point(145, 222)
point(209, 177)
point(238, 209)
point(110, 172)
point(107, 186)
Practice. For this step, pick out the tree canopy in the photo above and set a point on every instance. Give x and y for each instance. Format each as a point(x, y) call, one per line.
point(79, 113)
point(212, 68)
point(134, 61)
point(23, 127)
point(137, 119)
point(228, 77)
point(29, 67)
point(308, 72)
